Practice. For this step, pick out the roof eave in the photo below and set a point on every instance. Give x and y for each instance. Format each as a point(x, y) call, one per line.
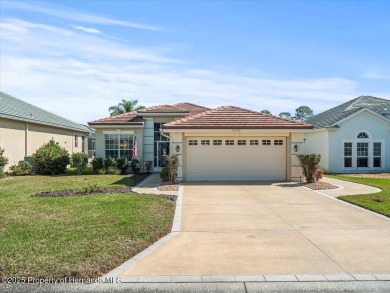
point(181, 129)
point(99, 124)
point(42, 123)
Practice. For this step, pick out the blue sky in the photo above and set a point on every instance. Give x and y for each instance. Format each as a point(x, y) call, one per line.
point(77, 58)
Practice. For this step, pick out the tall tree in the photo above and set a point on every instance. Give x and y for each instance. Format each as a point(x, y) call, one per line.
point(302, 113)
point(124, 107)
point(285, 115)
point(266, 112)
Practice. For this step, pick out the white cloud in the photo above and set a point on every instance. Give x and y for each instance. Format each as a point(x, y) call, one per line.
point(373, 74)
point(76, 15)
point(86, 29)
point(80, 75)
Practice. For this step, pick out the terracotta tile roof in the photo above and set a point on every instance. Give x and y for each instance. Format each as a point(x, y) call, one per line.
point(192, 108)
point(130, 118)
point(231, 117)
point(185, 108)
point(163, 109)
point(135, 117)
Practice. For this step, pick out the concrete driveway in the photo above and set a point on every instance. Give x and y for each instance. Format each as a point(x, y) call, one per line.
point(269, 229)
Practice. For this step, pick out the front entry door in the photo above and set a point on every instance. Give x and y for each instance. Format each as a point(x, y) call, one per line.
point(162, 152)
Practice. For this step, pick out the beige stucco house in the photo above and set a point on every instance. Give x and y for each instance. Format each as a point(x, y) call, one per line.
point(223, 144)
point(24, 128)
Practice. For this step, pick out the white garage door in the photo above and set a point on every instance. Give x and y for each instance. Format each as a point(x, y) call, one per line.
point(236, 159)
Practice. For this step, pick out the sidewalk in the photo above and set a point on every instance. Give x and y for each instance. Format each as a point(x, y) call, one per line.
point(347, 188)
point(150, 184)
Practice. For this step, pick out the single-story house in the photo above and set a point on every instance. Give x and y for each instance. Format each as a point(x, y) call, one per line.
point(353, 137)
point(223, 144)
point(24, 128)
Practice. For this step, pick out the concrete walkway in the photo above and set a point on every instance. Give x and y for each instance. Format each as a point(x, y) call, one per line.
point(266, 232)
point(150, 184)
point(348, 188)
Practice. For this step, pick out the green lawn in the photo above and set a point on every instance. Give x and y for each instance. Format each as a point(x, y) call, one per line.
point(378, 202)
point(83, 236)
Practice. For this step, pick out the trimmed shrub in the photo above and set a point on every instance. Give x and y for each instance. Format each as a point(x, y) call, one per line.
point(109, 163)
point(79, 160)
point(173, 165)
point(51, 159)
point(21, 169)
point(122, 164)
point(309, 164)
point(112, 171)
point(164, 174)
point(135, 164)
point(3, 162)
point(97, 165)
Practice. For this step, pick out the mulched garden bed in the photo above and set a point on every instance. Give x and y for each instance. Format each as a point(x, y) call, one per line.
point(95, 189)
point(164, 186)
point(81, 192)
point(138, 177)
point(319, 185)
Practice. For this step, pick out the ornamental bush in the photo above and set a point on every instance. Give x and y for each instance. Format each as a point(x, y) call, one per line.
point(135, 164)
point(51, 159)
point(109, 163)
point(173, 165)
point(79, 160)
point(97, 165)
point(309, 164)
point(3, 162)
point(122, 164)
point(164, 174)
point(21, 169)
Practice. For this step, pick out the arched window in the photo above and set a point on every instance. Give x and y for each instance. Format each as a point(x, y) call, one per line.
point(362, 135)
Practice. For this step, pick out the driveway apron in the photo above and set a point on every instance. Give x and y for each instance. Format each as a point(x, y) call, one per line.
point(278, 229)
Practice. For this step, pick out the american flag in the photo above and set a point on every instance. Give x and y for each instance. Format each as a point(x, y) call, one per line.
point(135, 149)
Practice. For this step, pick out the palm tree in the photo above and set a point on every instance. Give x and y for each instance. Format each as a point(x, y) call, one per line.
point(124, 107)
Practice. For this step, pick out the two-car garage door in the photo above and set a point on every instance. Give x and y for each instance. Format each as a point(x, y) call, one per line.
point(236, 159)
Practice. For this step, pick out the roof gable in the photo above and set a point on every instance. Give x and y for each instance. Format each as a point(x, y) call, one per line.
point(135, 118)
point(336, 114)
point(129, 118)
point(163, 109)
point(192, 108)
point(16, 109)
point(231, 117)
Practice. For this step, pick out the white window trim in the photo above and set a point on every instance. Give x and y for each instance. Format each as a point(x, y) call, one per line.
point(352, 157)
point(118, 134)
point(370, 142)
point(118, 131)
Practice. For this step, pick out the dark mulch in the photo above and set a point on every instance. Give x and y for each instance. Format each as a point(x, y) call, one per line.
point(319, 185)
point(138, 177)
point(81, 192)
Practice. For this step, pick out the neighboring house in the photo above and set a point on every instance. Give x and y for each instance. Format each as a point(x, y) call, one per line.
point(223, 144)
point(24, 128)
point(353, 137)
